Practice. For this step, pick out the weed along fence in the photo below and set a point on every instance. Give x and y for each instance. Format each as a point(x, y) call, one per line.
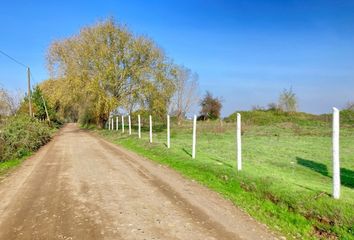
point(267, 150)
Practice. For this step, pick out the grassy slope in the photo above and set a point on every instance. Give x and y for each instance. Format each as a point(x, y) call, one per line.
point(286, 177)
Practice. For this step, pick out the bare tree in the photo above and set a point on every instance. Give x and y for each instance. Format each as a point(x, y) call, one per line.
point(9, 102)
point(350, 106)
point(288, 100)
point(186, 94)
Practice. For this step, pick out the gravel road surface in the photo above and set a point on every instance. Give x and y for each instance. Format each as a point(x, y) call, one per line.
point(80, 186)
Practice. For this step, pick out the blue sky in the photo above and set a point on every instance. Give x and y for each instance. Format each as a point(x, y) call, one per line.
point(245, 52)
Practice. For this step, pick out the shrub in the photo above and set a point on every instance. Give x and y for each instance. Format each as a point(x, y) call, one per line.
point(211, 107)
point(22, 135)
point(347, 117)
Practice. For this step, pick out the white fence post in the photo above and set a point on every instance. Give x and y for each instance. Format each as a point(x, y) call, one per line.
point(168, 131)
point(335, 143)
point(194, 136)
point(109, 123)
point(112, 123)
point(139, 126)
point(117, 123)
point(239, 147)
point(150, 119)
point(122, 123)
point(130, 125)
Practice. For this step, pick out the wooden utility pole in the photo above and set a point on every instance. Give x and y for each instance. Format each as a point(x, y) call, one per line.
point(29, 91)
point(46, 110)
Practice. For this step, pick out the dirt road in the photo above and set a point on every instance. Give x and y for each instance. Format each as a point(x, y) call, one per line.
point(82, 187)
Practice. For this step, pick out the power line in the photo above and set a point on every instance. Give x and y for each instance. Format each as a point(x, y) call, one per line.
point(13, 59)
point(16, 61)
point(28, 78)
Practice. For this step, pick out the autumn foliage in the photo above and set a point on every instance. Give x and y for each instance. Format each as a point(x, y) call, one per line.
point(104, 68)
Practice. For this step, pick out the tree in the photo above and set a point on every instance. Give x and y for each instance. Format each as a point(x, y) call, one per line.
point(9, 102)
point(288, 101)
point(56, 96)
point(186, 92)
point(350, 106)
point(41, 105)
point(105, 67)
point(211, 107)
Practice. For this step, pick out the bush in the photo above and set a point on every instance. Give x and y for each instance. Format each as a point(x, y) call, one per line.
point(22, 135)
point(347, 117)
point(211, 107)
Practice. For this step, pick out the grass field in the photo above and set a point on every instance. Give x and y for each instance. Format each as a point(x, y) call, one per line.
point(286, 177)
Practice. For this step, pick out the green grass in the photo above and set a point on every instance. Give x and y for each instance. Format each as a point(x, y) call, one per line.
point(286, 177)
point(6, 166)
